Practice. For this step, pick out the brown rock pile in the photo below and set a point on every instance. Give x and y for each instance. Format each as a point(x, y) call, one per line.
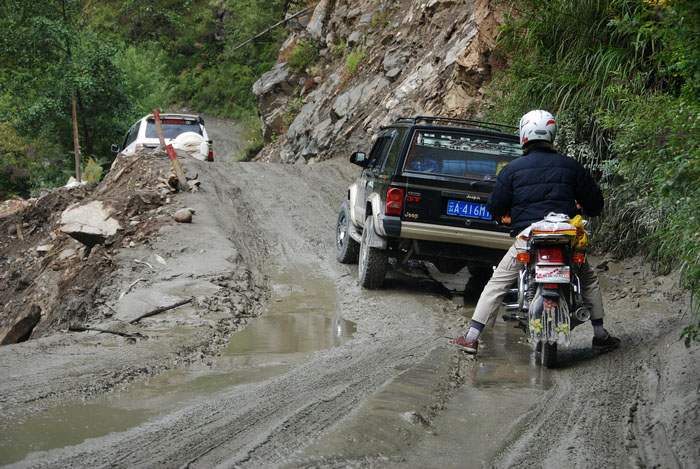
point(55, 250)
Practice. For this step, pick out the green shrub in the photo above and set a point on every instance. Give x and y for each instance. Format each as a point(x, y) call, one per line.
point(379, 19)
point(147, 83)
point(657, 172)
point(252, 136)
point(354, 60)
point(338, 50)
point(291, 111)
point(573, 56)
point(304, 54)
point(623, 78)
point(28, 166)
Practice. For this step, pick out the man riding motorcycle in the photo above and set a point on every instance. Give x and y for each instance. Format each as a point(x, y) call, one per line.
point(529, 188)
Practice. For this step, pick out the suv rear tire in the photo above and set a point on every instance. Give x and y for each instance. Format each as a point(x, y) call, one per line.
point(373, 262)
point(347, 250)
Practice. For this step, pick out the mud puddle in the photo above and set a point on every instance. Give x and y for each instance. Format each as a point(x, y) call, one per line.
point(300, 320)
point(505, 383)
point(395, 425)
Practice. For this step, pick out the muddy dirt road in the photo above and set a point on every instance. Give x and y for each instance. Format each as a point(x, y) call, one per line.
point(331, 375)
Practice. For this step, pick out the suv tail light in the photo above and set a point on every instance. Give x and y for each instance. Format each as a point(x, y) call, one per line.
point(139, 147)
point(550, 256)
point(394, 201)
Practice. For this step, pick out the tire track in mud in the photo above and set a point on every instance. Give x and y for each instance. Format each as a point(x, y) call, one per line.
point(282, 216)
point(603, 411)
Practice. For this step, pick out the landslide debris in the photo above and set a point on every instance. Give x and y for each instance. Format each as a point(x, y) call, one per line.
point(51, 279)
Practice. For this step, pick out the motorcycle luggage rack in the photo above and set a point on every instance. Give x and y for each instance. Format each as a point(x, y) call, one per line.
point(552, 237)
point(508, 129)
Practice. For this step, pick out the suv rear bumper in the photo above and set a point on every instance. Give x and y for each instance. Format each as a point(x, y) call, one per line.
point(393, 226)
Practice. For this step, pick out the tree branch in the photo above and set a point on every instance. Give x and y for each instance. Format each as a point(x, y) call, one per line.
point(160, 310)
point(271, 28)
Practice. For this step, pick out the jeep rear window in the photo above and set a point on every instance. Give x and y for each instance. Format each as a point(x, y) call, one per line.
point(172, 127)
point(456, 154)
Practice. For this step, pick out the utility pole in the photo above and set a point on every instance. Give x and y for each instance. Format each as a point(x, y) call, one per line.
point(76, 143)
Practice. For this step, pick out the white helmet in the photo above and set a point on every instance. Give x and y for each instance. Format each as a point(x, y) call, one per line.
point(537, 125)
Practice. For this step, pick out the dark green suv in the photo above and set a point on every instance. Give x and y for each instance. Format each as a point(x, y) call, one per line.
point(422, 195)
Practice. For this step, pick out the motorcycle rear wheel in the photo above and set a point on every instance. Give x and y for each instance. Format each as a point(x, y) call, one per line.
point(548, 355)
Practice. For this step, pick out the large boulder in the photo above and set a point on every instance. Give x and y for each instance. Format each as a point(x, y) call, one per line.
point(273, 91)
point(20, 328)
point(315, 26)
point(345, 104)
point(90, 224)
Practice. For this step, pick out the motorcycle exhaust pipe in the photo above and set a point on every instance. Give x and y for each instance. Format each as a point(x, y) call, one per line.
point(582, 314)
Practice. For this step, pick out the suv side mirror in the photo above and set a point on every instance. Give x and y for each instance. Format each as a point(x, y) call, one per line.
point(359, 158)
point(115, 148)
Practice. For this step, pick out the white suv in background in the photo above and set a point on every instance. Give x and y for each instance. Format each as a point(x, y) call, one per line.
point(184, 131)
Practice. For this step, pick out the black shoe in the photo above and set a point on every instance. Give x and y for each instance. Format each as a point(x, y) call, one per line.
point(606, 344)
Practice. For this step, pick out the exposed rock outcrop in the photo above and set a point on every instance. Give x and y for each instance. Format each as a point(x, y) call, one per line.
point(378, 61)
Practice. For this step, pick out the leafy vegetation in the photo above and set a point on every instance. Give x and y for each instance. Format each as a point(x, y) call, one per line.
point(292, 110)
point(28, 165)
point(380, 19)
point(123, 59)
point(623, 76)
point(304, 54)
point(48, 56)
point(338, 49)
point(354, 60)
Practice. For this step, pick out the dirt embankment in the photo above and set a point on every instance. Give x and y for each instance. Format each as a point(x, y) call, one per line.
point(49, 277)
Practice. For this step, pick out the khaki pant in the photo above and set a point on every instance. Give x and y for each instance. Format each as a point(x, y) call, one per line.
point(507, 273)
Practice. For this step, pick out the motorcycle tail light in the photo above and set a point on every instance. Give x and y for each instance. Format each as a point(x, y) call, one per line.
point(523, 257)
point(550, 255)
point(210, 156)
point(394, 201)
point(550, 286)
point(579, 257)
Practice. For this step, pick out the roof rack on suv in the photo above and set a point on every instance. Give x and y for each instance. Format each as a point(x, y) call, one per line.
point(472, 123)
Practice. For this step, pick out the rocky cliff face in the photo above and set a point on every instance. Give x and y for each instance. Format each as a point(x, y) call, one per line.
point(416, 57)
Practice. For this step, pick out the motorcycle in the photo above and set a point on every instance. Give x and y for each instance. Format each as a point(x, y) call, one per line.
point(549, 287)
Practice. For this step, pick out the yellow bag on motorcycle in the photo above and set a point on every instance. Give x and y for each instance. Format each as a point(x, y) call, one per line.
point(581, 239)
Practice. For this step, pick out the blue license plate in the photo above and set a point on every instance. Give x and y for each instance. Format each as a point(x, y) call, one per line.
point(461, 208)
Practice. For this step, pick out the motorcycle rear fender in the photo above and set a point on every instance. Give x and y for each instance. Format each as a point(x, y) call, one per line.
point(550, 292)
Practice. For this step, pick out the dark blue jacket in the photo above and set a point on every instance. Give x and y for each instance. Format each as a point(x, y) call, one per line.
point(541, 182)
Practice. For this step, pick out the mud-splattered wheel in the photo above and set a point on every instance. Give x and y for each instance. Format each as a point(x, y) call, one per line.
point(373, 261)
point(347, 250)
point(548, 354)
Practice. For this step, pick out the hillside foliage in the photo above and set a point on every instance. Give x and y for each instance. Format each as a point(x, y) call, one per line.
point(623, 77)
point(123, 59)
